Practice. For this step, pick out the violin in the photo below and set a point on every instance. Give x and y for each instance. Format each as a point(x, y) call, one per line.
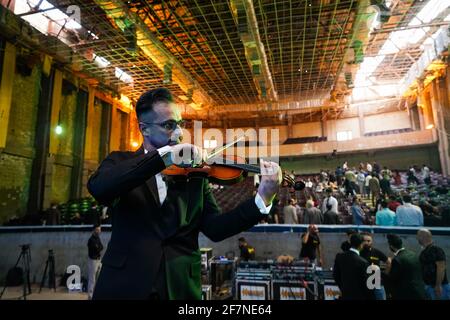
point(229, 171)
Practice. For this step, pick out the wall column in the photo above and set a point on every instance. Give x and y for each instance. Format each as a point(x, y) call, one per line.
point(290, 127)
point(79, 144)
point(323, 124)
point(88, 163)
point(441, 116)
point(6, 89)
point(362, 129)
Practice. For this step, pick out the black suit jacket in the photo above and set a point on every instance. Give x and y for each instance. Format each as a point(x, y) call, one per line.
point(405, 278)
point(150, 242)
point(350, 274)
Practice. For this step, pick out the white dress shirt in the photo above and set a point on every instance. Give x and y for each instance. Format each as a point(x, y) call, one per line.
point(162, 187)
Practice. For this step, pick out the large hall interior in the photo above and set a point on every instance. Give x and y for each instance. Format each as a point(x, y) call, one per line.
point(350, 98)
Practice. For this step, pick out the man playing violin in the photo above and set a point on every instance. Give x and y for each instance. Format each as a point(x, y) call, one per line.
point(153, 252)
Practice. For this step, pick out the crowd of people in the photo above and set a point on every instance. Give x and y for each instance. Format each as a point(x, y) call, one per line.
point(405, 275)
point(370, 195)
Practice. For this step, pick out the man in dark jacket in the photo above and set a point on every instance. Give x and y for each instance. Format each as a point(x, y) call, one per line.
point(95, 248)
point(404, 272)
point(156, 218)
point(247, 251)
point(350, 272)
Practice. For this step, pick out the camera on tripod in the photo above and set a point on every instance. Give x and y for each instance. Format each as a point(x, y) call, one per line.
point(24, 261)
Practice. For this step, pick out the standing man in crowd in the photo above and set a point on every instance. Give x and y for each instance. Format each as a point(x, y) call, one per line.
point(330, 200)
point(350, 272)
point(426, 174)
point(312, 215)
point(345, 246)
point(53, 215)
point(385, 216)
point(434, 267)
point(404, 272)
point(311, 246)
point(95, 248)
point(374, 187)
point(290, 213)
point(330, 217)
point(247, 251)
point(409, 214)
point(374, 257)
point(359, 216)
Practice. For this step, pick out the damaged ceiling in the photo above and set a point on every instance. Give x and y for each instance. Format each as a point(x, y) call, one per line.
point(221, 55)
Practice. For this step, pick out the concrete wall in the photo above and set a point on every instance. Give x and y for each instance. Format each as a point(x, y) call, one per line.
point(309, 129)
point(387, 121)
point(70, 244)
point(372, 123)
point(335, 126)
point(393, 158)
point(17, 158)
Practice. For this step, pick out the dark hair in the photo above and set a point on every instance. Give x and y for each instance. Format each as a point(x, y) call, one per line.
point(384, 203)
point(394, 241)
point(365, 233)
point(350, 232)
point(329, 190)
point(406, 198)
point(96, 225)
point(148, 99)
point(356, 240)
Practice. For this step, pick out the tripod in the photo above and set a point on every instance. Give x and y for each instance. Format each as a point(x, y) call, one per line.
point(50, 266)
point(25, 257)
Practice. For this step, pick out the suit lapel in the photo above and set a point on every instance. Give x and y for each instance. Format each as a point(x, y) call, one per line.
point(150, 184)
point(153, 188)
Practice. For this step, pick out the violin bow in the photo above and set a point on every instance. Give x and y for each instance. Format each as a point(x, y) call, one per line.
point(218, 150)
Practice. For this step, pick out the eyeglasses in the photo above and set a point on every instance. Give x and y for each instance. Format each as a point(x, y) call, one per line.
point(169, 125)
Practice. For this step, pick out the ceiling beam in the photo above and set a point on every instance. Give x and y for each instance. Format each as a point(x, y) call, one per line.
point(245, 17)
point(156, 51)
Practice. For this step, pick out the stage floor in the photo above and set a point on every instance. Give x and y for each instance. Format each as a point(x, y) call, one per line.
point(15, 293)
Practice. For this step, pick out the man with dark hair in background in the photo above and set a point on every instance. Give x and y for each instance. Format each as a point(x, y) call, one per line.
point(329, 200)
point(95, 248)
point(404, 272)
point(330, 217)
point(393, 203)
point(153, 252)
point(53, 215)
point(350, 272)
point(409, 214)
point(374, 257)
point(345, 246)
point(385, 217)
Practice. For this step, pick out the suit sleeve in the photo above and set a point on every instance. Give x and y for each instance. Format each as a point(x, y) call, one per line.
point(217, 226)
point(115, 177)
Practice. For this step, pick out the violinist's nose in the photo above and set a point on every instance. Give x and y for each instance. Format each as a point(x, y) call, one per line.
point(177, 135)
